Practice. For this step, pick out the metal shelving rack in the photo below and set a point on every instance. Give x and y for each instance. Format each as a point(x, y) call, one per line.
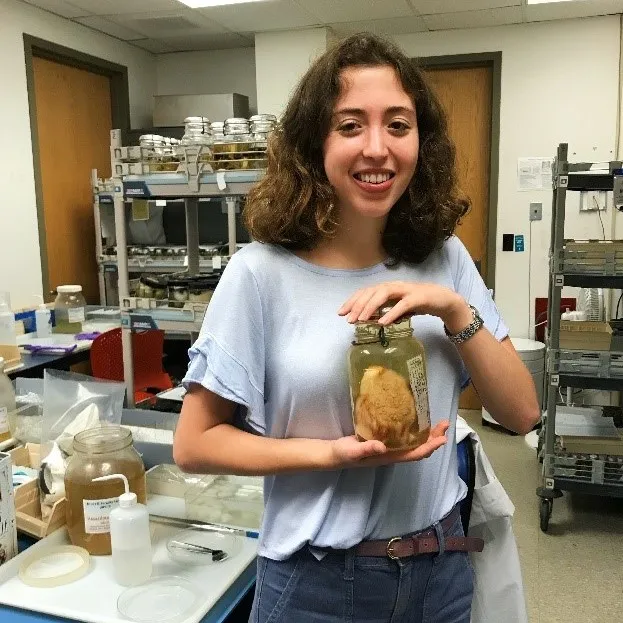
point(130, 182)
point(586, 473)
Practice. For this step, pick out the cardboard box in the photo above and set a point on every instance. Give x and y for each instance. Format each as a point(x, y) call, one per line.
point(585, 335)
point(27, 501)
point(8, 528)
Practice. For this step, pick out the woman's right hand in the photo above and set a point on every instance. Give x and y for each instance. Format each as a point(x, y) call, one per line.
point(350, 452)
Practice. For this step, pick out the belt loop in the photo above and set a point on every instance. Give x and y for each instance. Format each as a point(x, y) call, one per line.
point(349, 564)
point(440, 537)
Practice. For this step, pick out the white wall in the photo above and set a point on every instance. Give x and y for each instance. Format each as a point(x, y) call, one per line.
point(20, 266)
point(281, 58)
point(559, 84)
point(218, 71)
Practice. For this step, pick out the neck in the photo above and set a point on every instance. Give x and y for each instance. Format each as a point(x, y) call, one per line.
point(356, 244)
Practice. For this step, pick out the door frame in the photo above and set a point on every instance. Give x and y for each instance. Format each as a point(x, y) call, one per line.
point(494, 61)
point(120, 110)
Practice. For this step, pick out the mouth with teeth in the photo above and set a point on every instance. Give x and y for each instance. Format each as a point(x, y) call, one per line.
point(374, 181)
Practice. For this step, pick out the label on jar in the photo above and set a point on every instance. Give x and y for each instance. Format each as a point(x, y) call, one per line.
point(4, 420)
point(75, 314)
point(419, 387)
point(96, 514)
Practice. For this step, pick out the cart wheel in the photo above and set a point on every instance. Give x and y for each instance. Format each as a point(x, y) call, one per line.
point(545, 512)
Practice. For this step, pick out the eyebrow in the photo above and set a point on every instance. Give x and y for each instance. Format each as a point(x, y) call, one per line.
point(393, 110)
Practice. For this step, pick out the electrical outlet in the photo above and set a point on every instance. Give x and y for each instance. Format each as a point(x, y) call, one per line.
point(593, 200)
point(536, 211)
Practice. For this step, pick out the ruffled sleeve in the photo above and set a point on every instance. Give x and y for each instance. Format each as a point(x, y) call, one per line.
point(228, 358)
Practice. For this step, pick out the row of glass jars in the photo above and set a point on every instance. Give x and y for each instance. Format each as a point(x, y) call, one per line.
point(178, 288)
point(230, 139)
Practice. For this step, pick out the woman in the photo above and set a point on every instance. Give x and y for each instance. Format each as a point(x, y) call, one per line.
point(358, 207)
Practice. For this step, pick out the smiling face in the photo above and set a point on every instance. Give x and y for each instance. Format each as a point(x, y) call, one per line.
point(371, 151)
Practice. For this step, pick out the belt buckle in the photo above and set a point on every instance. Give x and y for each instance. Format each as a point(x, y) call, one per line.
point(389, 551)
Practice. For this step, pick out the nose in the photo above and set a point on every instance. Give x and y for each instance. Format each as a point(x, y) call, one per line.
point(375, 145)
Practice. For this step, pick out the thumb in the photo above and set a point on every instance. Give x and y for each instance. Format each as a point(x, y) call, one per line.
point(366, 449)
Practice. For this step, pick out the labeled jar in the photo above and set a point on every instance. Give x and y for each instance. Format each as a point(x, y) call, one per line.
point(388, 384)
point(69, 309)
point(197, 133)
point(100, 451)
point(153, 287)
point(201, 288)
point(178, 290)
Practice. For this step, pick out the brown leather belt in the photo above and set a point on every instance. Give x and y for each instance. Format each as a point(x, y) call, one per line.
point(421, 543)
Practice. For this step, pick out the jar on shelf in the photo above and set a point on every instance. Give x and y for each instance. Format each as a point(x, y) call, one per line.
point(197, 133)
point(170, 158)
point(388, 384)
point(69, 309)
point(237, 132)
point(178, 290)
point(100, 451)
point(152, 146)
point(201, 288)
point(153, 287)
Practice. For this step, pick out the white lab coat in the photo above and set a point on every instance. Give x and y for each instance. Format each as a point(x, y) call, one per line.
point(498, 588)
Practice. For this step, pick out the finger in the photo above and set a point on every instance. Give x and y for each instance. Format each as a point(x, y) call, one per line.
point(367, 449)
point(405, 306)
point(440, 429)
point(427, 449)
point(360, 303)
point(346, 307)
point(379, 297)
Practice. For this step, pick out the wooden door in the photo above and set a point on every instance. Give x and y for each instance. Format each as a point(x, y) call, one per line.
point(74, 119)
point(466, 95)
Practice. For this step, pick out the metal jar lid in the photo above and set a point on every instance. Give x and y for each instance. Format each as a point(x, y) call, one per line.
point(263, 117)
point(203, 120)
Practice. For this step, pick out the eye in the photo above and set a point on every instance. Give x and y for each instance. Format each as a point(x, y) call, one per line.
point(399, 127)
point(348, 127)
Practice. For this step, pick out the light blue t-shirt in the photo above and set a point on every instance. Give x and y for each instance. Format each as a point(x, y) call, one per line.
point(272, 342)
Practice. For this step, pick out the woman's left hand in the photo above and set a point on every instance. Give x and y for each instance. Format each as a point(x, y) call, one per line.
point(412, 298)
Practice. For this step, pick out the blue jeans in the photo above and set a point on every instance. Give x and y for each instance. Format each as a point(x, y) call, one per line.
point(344, 588)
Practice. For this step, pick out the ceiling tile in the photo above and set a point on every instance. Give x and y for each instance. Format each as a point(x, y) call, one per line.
point(330, 11)
point(59, 7)
point(220, 41)
point(432, 7)
point(180, 23)
point(568, 10)
point(153, 45)
point(117, 7)
point(474, 19)
point(392, 26)
point(110, 28)
point(261, 16)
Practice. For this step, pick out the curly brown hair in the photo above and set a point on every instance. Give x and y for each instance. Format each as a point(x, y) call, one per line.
point(294, 205)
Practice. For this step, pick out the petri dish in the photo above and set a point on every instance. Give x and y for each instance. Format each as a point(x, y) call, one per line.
point(195, 540)
point(55, 566)
point(166, 599)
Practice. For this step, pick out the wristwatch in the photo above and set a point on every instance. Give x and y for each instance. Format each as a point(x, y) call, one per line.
point(468, 331)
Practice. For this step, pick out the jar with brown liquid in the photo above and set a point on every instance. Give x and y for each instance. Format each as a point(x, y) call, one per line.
point(98, 452)
point(388, 384)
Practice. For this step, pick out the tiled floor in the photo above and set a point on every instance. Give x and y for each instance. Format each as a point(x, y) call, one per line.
point(574, 572)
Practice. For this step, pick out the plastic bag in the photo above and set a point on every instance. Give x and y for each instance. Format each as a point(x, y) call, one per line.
point(75, 402)
point(25, 421)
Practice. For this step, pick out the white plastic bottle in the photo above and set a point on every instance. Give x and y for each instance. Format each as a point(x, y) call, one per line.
point(7, 403)
point(43, 319)
point(130, 537)
point(8, 336)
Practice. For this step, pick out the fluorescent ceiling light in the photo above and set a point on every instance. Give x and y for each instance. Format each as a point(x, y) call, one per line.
point(551, 1)
point(200, 4)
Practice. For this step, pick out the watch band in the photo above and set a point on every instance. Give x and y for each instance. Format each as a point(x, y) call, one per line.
point(469, 331)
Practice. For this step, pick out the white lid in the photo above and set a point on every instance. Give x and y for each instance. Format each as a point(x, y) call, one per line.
point(528, 349)
point(55, 566)
point(2, 364)
point(127, 500)
point(69, 289)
